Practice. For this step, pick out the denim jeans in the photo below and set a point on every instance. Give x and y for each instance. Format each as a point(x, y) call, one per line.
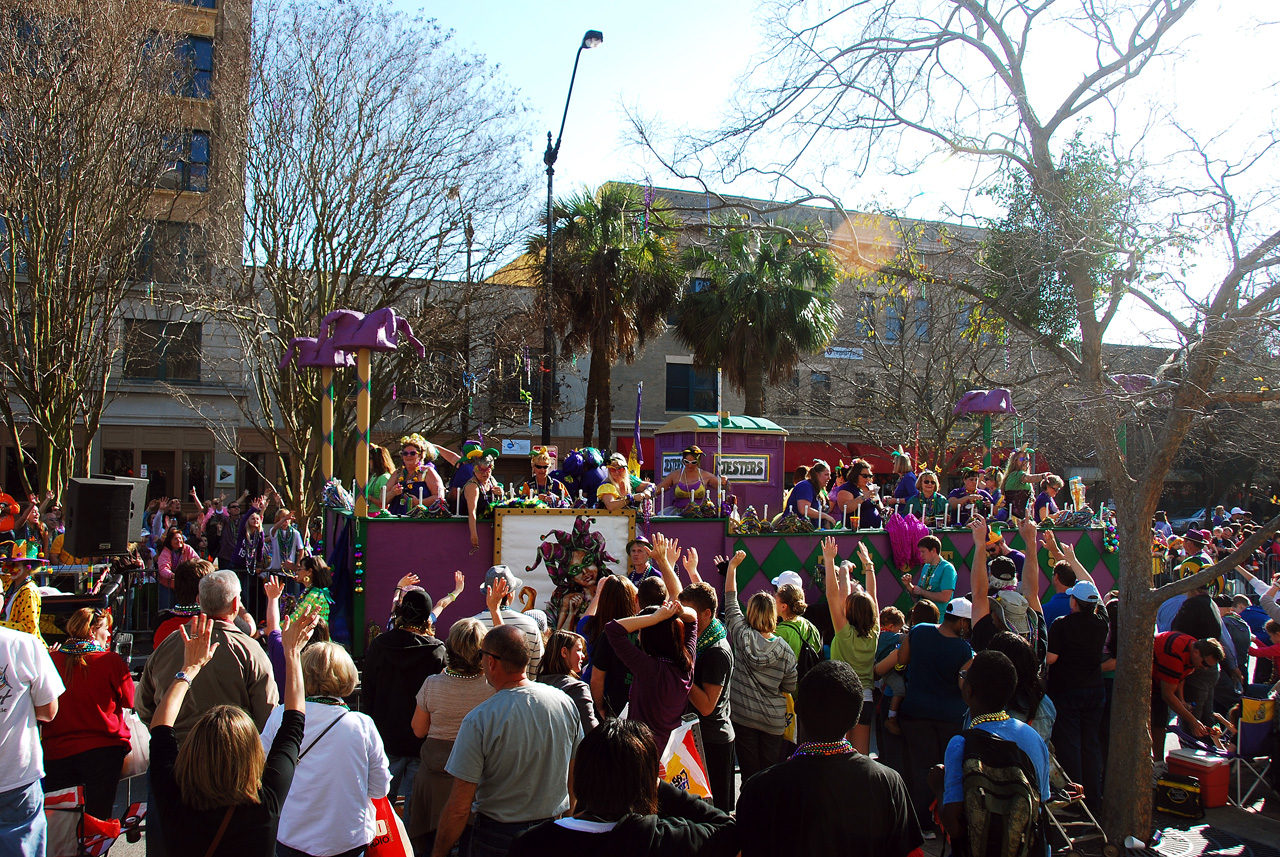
point(491, 838)
point(1075, 737)
point(22, 823)
point(404, 769)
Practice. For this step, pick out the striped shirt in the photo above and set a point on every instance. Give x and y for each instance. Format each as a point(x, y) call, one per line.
point(1172, 661)
point(532, 636)
point(765, 669)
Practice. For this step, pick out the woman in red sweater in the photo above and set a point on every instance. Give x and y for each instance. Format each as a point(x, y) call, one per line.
point(87, 741)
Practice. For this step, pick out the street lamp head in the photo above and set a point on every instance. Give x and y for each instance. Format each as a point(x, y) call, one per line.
point(592, 39)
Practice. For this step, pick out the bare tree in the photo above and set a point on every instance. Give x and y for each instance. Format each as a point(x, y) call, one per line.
point(88, 128)
point(893, 78)
point(382, 160)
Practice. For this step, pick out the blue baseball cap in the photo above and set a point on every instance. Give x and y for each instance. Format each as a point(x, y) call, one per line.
point(1085, 591)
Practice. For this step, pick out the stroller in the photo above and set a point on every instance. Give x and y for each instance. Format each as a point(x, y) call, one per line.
point(74, 833)
point(1071, 819)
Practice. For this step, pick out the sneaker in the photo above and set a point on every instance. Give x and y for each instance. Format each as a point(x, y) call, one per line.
point(891, 725)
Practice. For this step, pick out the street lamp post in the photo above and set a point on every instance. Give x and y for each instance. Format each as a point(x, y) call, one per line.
point(591, 39)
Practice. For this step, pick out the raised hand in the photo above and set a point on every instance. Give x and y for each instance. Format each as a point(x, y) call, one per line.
point(296, 633)
point(459, 582)
point(407, 580)
point(864, 555)
point(672, 551)
point(691, 561)
point(736, 559)
point(667, 610)
point(273, 587)
point(197, 645)
point(496, 592)
point(979, 526)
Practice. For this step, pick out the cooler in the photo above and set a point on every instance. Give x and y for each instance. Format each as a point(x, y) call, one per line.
point(1213, 772)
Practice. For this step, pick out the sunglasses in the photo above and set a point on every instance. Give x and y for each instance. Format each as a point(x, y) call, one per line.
point(540, 466)
point(484, 467)
point(617, 467)
point(410, 453)
point(491, 654)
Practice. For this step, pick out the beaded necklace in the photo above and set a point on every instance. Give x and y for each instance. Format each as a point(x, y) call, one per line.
point(993, 717)
point(450, 671)
point(329, 700)
point(824, 748)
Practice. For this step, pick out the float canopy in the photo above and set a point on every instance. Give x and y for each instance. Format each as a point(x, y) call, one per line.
point(707, 422)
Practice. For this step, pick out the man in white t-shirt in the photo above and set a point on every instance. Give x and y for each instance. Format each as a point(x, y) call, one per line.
point(29, 691)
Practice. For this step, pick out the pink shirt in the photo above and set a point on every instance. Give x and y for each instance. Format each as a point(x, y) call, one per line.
point(167, 561)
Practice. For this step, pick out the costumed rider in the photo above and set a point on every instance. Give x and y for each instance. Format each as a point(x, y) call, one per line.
point(482, 492)
point(690, 483)
point(623, 490)
point(417, 483)
point(542, 484)
point(575, 562)
point(21, 610)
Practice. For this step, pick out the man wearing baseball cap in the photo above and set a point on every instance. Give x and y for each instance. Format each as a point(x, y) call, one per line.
point(1076, 643)
point(500, 587)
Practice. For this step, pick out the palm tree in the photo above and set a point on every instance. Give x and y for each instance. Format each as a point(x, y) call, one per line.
point(767, 304)
point(616, 277)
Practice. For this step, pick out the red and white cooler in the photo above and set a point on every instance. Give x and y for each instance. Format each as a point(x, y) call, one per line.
point(1213, 772)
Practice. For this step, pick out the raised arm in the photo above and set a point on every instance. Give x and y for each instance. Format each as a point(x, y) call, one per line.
point(666, 611)
point(868, 574)
point(294, 637)
point(1069, 554)
point(835, 603)
point(273, 588)
point(459, 584)
point(978, 580)
point(1031, 567)
point(664, 554)
point(197, 650)
point(691, 565)
point(493, 599)
point(731, 574)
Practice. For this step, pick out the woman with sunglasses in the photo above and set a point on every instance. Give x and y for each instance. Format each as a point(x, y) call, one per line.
point(808, 497)
point(622, 491)
point(88, 739)
point(859, 497)
point(690, 483)
point(482, 492)
point(417, 483)
point(542, 484)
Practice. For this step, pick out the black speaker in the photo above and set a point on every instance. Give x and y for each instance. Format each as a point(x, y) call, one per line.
point(97, 517)
point(137, 506)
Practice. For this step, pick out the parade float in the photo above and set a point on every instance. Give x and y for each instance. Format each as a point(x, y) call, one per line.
point(560, 552)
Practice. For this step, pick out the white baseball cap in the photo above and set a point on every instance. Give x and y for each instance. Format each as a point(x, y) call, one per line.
point(788, 577)
point(961, 608)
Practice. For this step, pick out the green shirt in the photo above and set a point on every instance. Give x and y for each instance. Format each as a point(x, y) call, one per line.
point(857, 652)
point(373, 491)
point(1015, 480)
point(798, 630)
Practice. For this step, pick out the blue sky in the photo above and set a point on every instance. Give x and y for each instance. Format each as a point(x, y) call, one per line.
point(680, 61)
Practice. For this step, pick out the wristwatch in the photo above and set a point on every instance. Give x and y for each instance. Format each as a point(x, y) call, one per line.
point(182, 676)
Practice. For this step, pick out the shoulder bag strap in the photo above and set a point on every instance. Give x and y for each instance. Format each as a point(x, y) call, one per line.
point(222, 829)
point(321, 735)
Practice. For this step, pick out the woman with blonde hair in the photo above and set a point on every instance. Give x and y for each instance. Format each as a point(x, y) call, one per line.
point(416, 483)
point(221, 794)
point(856, 618)
point(339, 746)
point(88, 739)
point(542, 484)
point(764, 672)
point(443, 701)
point(929, 503)
point(792, 626)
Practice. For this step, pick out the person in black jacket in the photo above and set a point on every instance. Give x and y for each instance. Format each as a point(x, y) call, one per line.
point(395, 666)
point(222, 795)
point(621, 809)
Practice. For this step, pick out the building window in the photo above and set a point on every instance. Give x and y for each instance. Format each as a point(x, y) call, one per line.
point(789, 396)
point(819, 392)
point(697, 284)
point(895, 317)
point(188, 167)
point(195, 53)
point(171, 252)
point(162, 350)
point(690, 388)
point(922, 319)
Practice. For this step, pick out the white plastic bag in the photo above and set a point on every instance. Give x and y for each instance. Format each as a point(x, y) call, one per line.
point(139, 758)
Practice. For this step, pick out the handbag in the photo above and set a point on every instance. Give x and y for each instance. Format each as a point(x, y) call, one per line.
point(390, 838)
point(138, 760)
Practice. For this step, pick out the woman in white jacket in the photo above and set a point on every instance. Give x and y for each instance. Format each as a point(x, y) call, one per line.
point(341, 766)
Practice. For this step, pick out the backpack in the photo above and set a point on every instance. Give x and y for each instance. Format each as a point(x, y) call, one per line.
point(808, 657)
point(1001, 799)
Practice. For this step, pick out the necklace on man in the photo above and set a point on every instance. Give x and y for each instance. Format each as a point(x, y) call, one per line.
point(329, 700)
point(993, 717)
point(824, 748)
